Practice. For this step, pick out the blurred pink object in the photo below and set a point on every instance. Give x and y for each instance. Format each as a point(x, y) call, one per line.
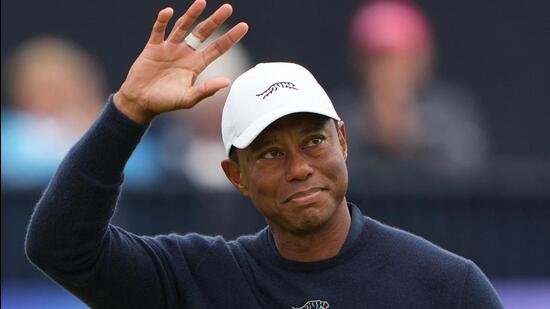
point(390, 25)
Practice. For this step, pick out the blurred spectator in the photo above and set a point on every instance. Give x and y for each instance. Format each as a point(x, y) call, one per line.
point(57, 90)
point(198, 158)
point(403, 115)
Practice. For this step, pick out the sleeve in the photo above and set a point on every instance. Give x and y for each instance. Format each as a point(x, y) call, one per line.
point(478, 291)
point(70, 238)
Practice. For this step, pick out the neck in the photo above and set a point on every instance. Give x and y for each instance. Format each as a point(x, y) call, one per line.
point(319, 245)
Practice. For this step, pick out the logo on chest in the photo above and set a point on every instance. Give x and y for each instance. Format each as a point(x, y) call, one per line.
point(314, 304)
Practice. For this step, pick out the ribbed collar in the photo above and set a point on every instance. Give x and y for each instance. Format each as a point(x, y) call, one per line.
point(351, 246)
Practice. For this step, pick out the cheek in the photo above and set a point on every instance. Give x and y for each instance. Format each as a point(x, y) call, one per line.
point(334, 169)
point(264, 187)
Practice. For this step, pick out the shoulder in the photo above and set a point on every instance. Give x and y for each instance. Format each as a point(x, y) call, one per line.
point(253, 242)
point(191, 247)
point(414, 256)
point(191, 240)
point(204, 246)
point(250, 246)
point(477, 291)
point(412, 261)
point(430, 267)
point(191, 244)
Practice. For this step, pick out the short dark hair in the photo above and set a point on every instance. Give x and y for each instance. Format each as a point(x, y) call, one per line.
point(233, 154)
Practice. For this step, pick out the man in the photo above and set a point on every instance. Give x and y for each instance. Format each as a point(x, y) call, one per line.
point(57, 91)
point(287, 152)
point(404, 116)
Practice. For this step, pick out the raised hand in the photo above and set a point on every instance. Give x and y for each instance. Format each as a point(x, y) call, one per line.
point(162, 77)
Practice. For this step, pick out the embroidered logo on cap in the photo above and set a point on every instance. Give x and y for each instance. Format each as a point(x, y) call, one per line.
point(274, 87)
point(314, 304)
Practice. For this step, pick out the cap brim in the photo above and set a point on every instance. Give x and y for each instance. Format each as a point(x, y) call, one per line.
point(248, 136)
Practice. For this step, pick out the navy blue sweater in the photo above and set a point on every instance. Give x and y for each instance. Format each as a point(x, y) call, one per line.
point(71, 240)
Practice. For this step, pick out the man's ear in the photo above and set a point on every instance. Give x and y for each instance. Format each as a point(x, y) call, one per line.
point(233, 173)
point(342, 138)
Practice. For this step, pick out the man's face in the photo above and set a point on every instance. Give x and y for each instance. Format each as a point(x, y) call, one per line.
point(294, 172)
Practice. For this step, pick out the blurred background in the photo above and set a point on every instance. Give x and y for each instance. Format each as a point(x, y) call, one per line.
point(446, 103)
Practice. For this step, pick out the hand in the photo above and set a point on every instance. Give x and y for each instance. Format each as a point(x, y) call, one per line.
point(162, 77)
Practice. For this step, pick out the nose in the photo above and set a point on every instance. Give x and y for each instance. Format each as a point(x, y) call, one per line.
point(297, 167)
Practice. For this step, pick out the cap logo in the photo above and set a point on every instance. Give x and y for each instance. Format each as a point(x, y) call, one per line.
point(274, 87)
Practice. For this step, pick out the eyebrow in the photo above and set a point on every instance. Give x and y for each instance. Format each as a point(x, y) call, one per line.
point(261, 142)
point(313, 128)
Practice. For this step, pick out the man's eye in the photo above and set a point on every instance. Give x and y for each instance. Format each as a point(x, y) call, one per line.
point(315, 141)
point(272, 154)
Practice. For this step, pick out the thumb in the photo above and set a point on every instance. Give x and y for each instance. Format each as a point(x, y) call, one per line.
point(203, 90)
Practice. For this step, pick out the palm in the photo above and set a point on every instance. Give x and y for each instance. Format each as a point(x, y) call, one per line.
point(163, 76)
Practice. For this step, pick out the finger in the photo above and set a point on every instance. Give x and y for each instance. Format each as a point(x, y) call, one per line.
point(157, 35)
point(186, 20)
point(209, 25)
point(224, 43)
point(203, 90)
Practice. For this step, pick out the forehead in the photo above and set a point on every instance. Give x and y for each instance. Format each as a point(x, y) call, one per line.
point(295, 123)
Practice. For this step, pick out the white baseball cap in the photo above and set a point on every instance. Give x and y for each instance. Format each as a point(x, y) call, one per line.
point(266, 93)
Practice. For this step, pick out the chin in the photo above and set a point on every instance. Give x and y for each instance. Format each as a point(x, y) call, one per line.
point(311, 219)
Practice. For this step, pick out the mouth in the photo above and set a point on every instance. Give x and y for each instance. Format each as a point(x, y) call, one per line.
point(304, 196)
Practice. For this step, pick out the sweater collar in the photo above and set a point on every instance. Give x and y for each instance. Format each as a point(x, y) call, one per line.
point(350, 247)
